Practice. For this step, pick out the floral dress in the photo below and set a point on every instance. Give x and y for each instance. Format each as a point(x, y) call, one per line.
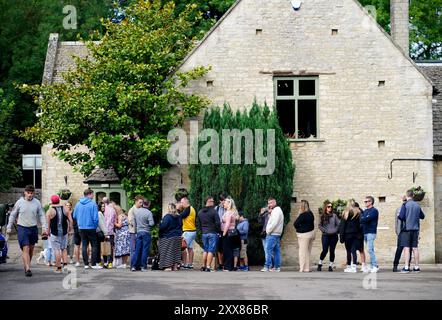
point(122, 239)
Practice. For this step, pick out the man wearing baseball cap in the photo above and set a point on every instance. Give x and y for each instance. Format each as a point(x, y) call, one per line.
point(28, 211)
point(58, 220)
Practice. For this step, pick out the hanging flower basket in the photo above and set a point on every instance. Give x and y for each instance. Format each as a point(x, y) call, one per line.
point(418, 193)
point(65, 194)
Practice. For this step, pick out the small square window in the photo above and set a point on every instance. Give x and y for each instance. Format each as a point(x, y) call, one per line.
point(381, 144)
point(307, 87)
point(334, 32)
point(258, 32)
point(381, 83)
point(382, 199)
point(210, 84)
point(285, 88)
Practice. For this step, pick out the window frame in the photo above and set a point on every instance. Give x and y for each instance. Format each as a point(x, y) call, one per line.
point(297, 97)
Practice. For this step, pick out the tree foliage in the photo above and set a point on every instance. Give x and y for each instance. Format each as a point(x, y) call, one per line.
point(249, 190)
point(425, 25)
point(9, 151)
point(25, 26)
point(122, 101)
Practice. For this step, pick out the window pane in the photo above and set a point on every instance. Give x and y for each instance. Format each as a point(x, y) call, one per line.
point(99, 196)
point(307, 87)
point(115, 197)
point(286, 115)
point(307, 118)
point(285, 88)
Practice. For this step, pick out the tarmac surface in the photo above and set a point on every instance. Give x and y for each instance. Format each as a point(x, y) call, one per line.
point(122, 284)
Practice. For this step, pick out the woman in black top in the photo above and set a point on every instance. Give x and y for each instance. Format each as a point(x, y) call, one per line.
point(305, 227)
point(351, 234)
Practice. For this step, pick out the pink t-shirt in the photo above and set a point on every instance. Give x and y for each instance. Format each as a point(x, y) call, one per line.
point(229, 221)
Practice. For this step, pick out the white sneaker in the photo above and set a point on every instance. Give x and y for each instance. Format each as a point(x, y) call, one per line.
point(121, 266)
point(374, 270)
point(97, 267)
point(77, 264)
point(265, 269)
point(87, 267)
point(71, 262)
point(364, 269)
point(351, 269)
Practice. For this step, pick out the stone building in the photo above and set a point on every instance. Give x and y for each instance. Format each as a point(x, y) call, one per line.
point(350, 100)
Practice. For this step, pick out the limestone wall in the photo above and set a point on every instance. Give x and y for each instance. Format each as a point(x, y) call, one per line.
point(355, 110)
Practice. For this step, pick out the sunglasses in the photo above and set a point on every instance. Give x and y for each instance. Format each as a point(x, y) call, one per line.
point(367, 201)
point(329, 206)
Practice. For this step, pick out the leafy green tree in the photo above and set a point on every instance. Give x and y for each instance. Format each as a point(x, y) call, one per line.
point(25, 26)
point(8, 150)
point(122, 102)
point(426, 31)
point(426, 26)
point(249, 190)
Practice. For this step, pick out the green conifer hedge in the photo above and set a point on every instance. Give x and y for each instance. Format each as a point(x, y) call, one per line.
point(240, 181)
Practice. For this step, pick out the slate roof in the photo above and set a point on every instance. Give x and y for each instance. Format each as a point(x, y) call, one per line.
point(103, 176)
point(434, 71)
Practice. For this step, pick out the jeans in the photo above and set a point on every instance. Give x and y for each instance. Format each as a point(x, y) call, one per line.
point(133, 241)
point(369, 238)
point(329, 241)
point(139, 260)
point(89, 236)
point(272, 245)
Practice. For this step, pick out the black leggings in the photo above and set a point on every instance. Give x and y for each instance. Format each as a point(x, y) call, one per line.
point(352, 245)
point(329, 241)
point(228, 246)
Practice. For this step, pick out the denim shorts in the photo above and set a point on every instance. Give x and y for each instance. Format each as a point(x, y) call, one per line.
point(59, 243)
point(209, 242)
point(27, 236)
point(189, 236)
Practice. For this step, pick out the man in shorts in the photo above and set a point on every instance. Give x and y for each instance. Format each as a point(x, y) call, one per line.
point(209, 224)
point(28, 212)
point(411, 214)
point(188, 216)
point(58, 221)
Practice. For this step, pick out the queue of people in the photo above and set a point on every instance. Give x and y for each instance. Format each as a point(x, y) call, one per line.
point(108, 237)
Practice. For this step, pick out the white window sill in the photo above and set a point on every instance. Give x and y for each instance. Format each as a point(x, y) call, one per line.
point(305, 140)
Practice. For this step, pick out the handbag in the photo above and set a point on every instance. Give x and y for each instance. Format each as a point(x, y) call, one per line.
point(183, 244)
point(105, 248)
point(232, 233)
point(100, 236)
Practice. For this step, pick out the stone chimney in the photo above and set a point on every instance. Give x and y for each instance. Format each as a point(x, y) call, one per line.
point(399, 13)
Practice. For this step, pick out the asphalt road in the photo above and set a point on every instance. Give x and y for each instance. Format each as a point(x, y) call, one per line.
point(183, 285)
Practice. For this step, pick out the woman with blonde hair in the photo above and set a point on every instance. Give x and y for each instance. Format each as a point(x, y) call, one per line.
point(122, 238)
point(169, 243)
point(305, 230)
point(351, 234)
point(230, 233)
